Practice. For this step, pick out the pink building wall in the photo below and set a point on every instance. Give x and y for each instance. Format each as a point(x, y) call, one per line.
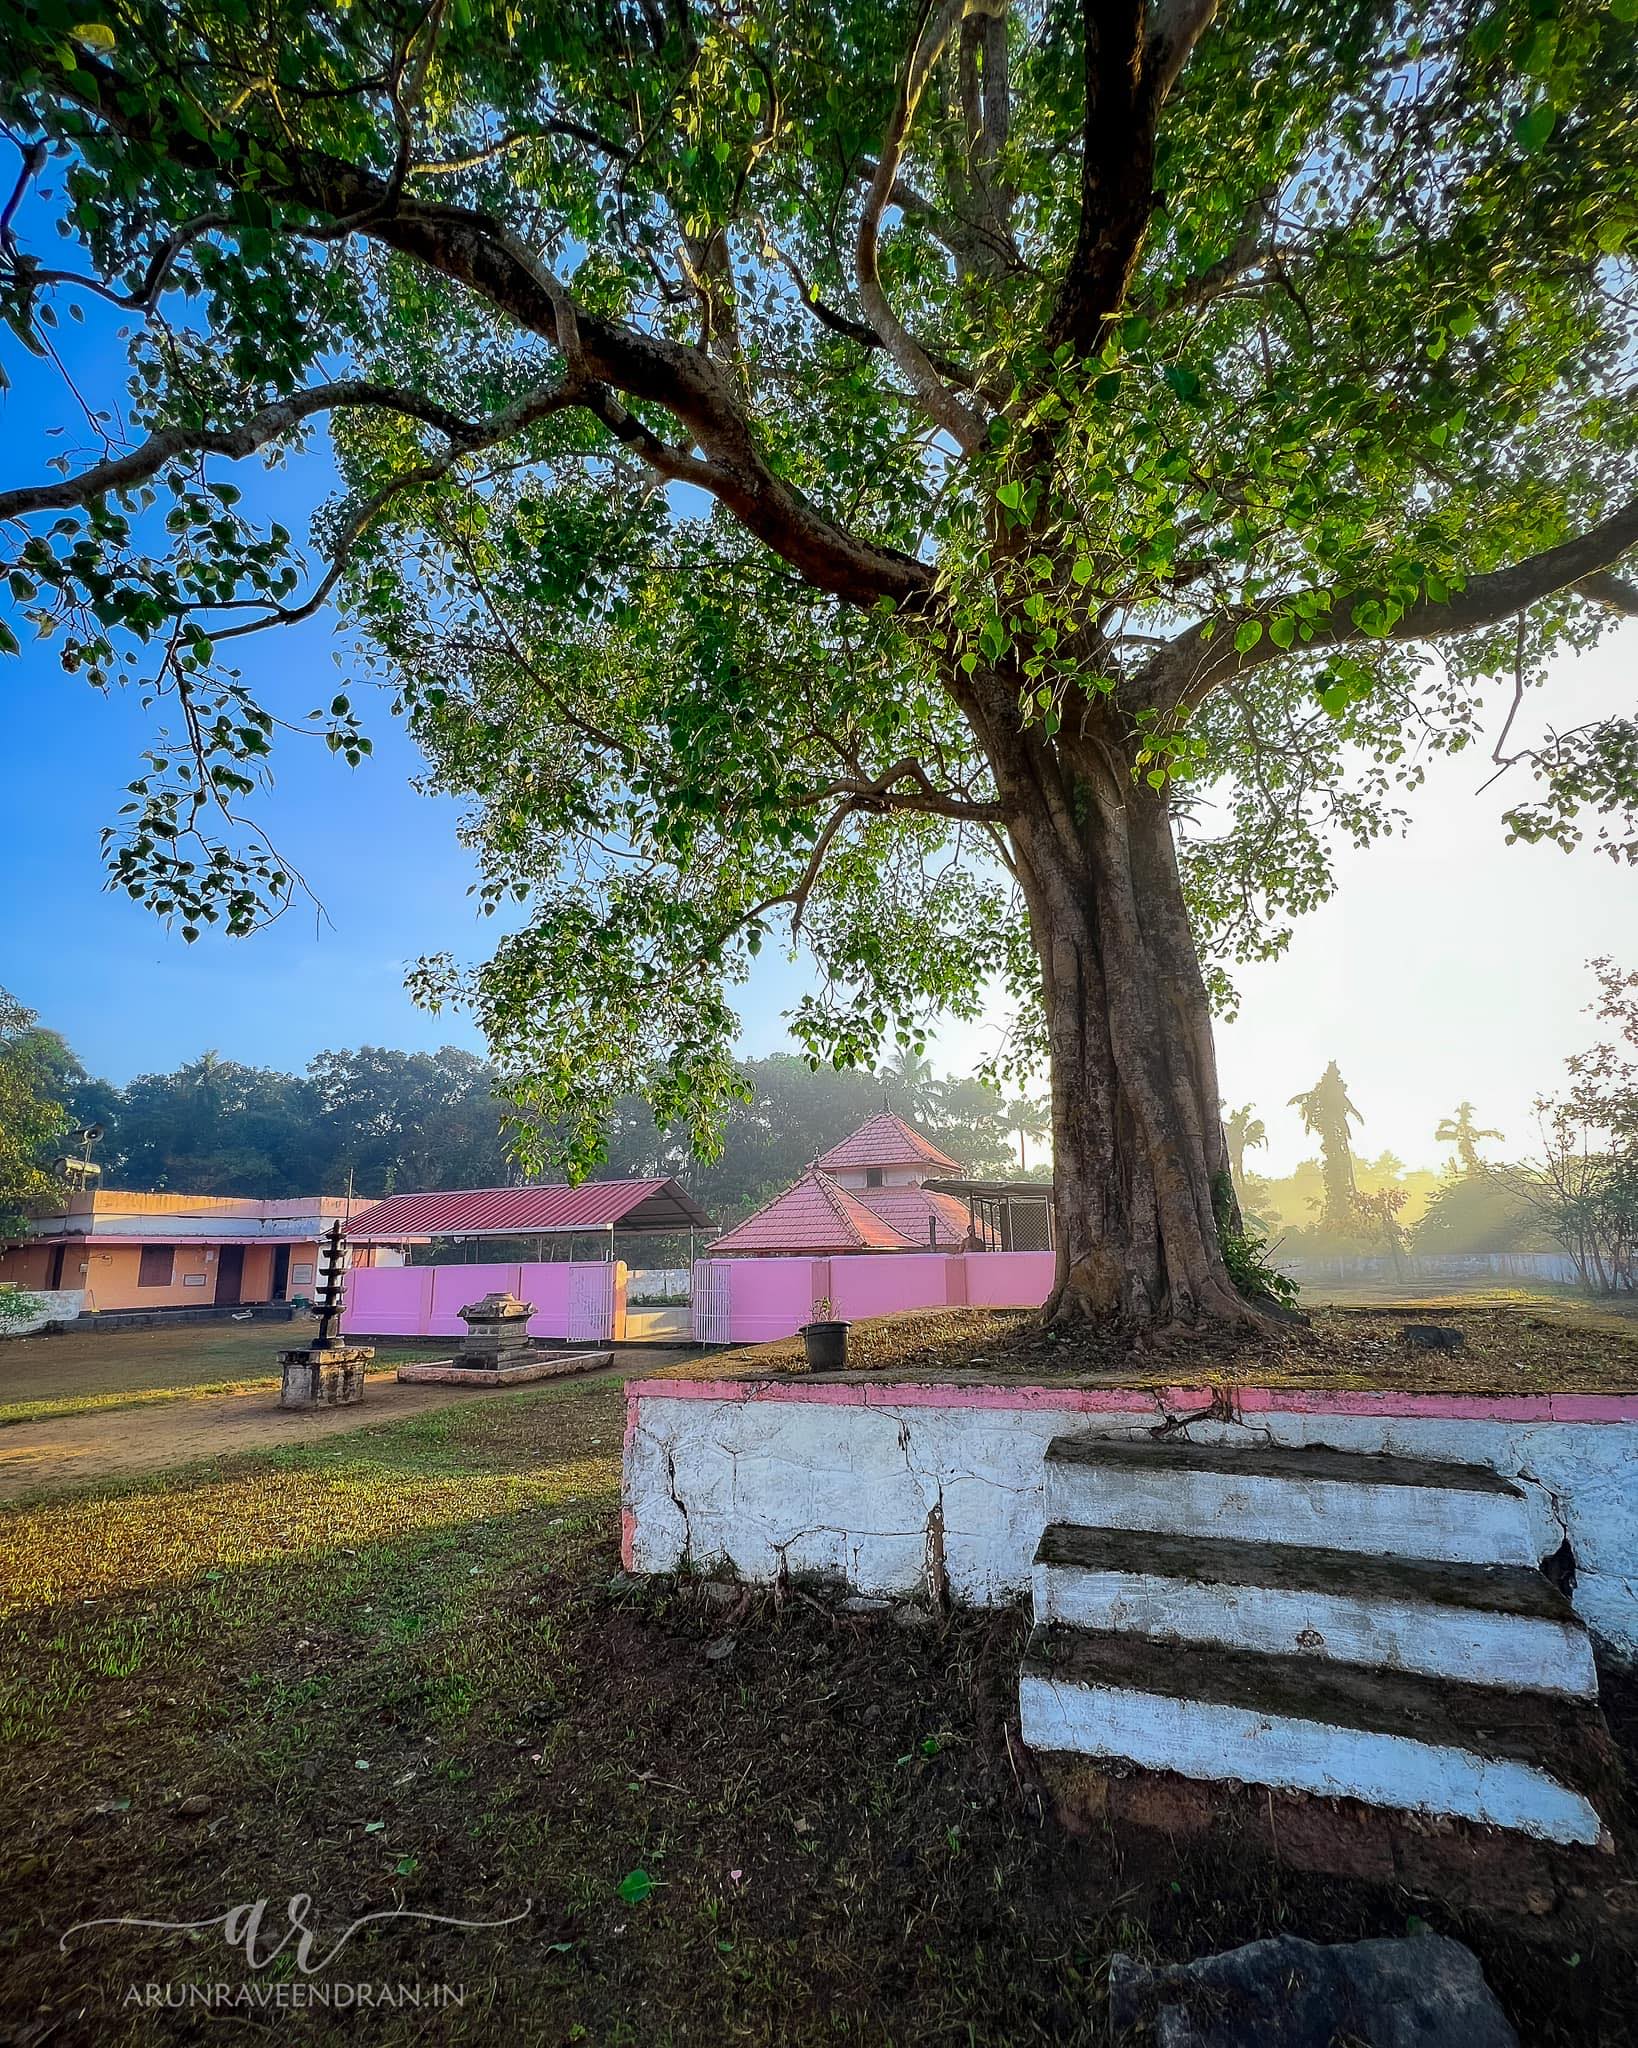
point(1009, 1279)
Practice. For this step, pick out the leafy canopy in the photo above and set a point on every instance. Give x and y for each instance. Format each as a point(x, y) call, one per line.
point(735, 404)
point(31, 1116)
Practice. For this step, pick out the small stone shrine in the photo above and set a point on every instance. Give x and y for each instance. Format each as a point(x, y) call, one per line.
point(497, 1334)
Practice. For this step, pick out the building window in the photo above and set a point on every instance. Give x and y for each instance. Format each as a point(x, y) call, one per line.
point(873, 1177)
point(157, 1265)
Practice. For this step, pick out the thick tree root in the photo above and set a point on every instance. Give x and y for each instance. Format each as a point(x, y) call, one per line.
point(1219, 1311)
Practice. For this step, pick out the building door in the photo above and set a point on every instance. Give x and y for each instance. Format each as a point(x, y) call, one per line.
point(281, 1271)
point(230, 1273)
point(54, 1272)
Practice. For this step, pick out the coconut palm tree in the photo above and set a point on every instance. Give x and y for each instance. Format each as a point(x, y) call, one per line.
point(1461, 1131)
point(1326, 1113)
point(1244, 1131)
point(1028, 1117)
point(912, 1080)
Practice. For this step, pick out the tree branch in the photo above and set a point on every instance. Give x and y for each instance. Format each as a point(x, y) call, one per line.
point(1132, 55)
point(1615, 593)
point(882, 793)
point(842, 323)
point(1189, 668)
point(966, 427)
point(170, 444)
point(472, 249)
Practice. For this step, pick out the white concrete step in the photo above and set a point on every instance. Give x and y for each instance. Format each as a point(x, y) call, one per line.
point(1423, 1745)
point(1501, 1625)
point(1258, 1493)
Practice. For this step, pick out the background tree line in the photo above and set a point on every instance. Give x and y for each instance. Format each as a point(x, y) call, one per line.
point(398, 1121)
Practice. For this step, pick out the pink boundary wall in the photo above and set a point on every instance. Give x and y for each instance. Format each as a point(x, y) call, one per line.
point(767, 1298)
point(854, 1393)
point(773, 1298)
point(425, 1301)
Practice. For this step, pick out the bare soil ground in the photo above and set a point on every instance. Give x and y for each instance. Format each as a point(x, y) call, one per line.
point(1507, 1348)
point(398, 1670)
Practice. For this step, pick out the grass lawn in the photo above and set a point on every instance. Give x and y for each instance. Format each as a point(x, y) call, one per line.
point(400, 1670)
point(83, 1370)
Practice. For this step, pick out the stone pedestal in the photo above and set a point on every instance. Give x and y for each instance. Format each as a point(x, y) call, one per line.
point(324, 1375)
point(497, 1334)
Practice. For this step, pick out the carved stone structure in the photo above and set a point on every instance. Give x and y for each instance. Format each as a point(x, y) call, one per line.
point(497, 1334)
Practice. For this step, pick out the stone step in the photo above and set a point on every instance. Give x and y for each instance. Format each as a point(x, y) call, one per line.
point(1260, 1493)
point(1482, 1624)
point(1513, 1760)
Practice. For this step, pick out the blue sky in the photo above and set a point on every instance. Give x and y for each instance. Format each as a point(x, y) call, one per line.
point(384, 860)
point(1448, 966)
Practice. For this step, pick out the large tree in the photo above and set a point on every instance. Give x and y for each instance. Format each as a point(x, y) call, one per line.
point(888, 470)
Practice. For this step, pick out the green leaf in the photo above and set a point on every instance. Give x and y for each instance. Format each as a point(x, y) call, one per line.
point(1247, 634)
point(1531, 130)
point(93, 35)
point(634, 1887)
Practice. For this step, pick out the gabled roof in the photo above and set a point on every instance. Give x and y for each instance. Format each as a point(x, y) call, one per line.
point(813, 1216)
point(909, 1211)
point(530, 1212)
point(886, 1140)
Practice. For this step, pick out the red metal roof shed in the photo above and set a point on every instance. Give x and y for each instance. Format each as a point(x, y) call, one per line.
point(651, 1205)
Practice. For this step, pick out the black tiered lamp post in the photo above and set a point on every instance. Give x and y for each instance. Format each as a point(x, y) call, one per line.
point(328, 1372)
point(332, 1286)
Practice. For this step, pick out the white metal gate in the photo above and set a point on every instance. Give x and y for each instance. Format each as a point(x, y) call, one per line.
point(708, 1302)
point(591, 1304)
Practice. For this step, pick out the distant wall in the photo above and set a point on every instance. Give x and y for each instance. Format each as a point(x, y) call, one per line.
point(1473, 1267)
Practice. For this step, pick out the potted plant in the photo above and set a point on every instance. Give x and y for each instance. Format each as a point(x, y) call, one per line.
point(825, 1339)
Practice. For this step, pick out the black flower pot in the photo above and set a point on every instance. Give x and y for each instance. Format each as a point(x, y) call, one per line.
point(826, 1345)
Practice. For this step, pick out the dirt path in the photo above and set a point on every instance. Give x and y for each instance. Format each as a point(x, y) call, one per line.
point(80, 1450)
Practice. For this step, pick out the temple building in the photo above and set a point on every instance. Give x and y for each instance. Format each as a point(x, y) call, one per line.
point(864, 1195)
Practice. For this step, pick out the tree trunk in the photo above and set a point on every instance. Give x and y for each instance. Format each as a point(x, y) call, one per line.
point(1141, 1166)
